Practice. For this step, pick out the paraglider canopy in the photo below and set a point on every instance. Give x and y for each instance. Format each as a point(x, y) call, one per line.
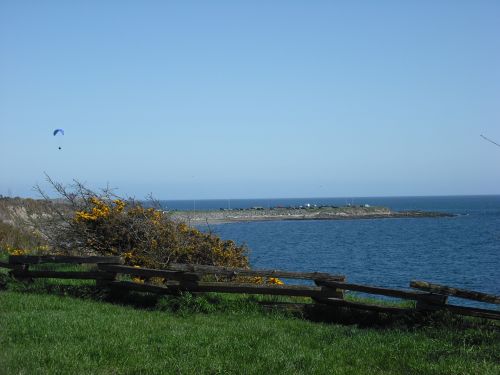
point(58, 131)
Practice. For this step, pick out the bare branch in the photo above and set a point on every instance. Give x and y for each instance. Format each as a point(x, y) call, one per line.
point(489, 140)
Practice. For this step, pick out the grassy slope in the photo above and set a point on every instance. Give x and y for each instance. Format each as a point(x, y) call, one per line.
point(45, 329)
point(51, 334)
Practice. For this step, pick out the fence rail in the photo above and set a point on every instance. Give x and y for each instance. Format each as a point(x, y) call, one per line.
point(88, 275)
point(404, 294)
point(35, 259)
point(329, 289)
point(455, 292)
point(226, 287)
point(6, 265)
point(148, 272)
point(233, 272)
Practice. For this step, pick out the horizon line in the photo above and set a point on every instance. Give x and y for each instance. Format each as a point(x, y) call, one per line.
point(303, 197)
point(339, 197)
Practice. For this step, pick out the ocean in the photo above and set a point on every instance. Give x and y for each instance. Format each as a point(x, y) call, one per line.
point(461, 251)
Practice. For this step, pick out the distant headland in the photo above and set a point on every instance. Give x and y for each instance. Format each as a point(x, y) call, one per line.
point(306, 212)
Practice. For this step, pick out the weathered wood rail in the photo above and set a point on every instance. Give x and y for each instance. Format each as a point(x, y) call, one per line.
point(460, 293)
point(6, 265)
point(455, 292)
point(184, 277)
point(329, 289)
point(233, 272)
point(222, 287)
point(404, 294)
point(34, 259)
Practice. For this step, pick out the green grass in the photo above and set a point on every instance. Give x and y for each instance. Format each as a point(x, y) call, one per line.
point(75, 329)
point(387, 301)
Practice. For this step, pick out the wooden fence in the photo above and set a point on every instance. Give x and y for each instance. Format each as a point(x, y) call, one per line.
point(329, 289)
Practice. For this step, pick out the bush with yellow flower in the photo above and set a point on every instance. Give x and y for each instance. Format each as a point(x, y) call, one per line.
point(144, 235)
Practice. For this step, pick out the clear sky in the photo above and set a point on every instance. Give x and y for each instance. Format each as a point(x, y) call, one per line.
point(235, 99)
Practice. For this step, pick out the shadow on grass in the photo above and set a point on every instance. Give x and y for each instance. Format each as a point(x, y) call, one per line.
point(412, 319)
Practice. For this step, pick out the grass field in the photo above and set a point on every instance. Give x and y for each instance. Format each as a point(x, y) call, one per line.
point(50, 328)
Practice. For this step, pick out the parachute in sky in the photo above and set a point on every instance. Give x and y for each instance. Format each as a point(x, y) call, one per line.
point(58, 131)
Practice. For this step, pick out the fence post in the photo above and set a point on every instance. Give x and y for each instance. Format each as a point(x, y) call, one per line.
point(104, 282)
point(339, 293)
point(431, 305)
point(19, 267)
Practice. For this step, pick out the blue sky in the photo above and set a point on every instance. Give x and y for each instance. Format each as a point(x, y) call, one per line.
point(234, 99)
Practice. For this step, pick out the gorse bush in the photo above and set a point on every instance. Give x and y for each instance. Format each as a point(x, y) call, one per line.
point(104, 224)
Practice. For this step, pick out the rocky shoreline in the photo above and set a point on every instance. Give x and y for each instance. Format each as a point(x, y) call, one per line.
point(272, 214)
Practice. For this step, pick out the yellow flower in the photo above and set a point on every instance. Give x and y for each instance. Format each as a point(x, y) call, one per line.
point(94, 200)
point(84, 216)
point(119, 205)
point(17, 251)
point(275, 280)
point(257, 280)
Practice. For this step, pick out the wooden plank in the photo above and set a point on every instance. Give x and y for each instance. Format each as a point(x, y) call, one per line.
point(404, 294)
point(289, 290)
point(455, 292)
point(63, 275)
point(7, 265)
point(148, 272)
point(362, 306)
point(278, 290)
point(463, 310)
point(233, 272)
point(472, 311)
point(146, 288)
point(340, 292)
point(34, 259)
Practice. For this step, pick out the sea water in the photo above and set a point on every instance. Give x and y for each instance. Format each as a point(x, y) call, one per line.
point(461, 251)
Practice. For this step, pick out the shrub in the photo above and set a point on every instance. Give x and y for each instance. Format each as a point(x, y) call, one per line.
point(105, 224)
